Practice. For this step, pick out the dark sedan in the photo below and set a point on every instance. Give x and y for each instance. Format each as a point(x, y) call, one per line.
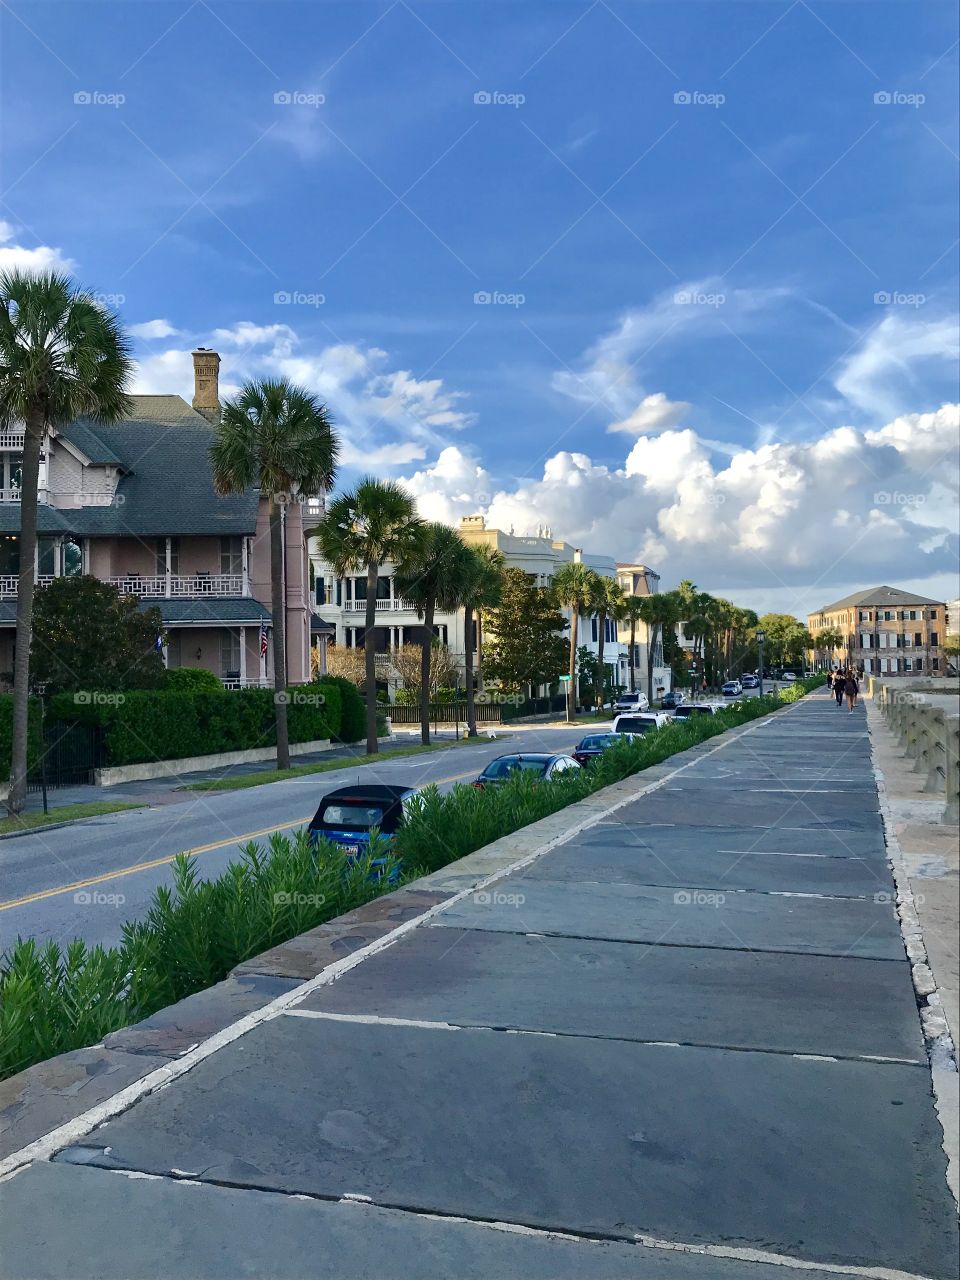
point(595, 744)
point(535, 763)
point(670, 701)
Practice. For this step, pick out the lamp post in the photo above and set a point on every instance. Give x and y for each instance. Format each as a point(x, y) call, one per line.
point(761, 636)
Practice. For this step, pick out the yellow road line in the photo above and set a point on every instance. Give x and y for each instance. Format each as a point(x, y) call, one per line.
point(194, 852)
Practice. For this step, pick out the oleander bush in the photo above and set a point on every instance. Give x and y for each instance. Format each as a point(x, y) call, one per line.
point(55, 998)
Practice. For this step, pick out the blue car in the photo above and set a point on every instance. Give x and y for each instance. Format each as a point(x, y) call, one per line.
point(347, 816)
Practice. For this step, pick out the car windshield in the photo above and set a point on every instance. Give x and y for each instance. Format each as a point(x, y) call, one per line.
point(513, 764)
point(355, 817)
point(684, 712)
point(596, 742)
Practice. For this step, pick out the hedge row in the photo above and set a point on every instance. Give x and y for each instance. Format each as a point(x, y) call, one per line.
point(6, 734)
point(57, 998)
point(145, 724)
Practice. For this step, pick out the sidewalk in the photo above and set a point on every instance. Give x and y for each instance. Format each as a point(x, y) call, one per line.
point(676, 1039)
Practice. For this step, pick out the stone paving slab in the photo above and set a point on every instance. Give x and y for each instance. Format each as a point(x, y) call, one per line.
point(690, 836)
point(834, 1162)
point(675, 917)
point(691, 995)
point(628, 861)
point(92, 1225)
point(687, 806)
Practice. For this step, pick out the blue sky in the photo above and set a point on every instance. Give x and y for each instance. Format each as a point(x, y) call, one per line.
point(714, 234)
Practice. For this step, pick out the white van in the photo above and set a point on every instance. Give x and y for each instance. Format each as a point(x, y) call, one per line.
point(640, 722)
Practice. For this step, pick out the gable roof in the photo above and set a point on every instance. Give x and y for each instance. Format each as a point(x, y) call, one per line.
point(880, 597)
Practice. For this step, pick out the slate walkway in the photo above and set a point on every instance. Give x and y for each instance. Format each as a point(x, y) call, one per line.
point(683, 1045)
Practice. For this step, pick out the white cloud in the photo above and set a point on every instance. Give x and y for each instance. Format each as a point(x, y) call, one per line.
point(653, 413)
point(16, 257)
point(883, 373)
point(153, 329)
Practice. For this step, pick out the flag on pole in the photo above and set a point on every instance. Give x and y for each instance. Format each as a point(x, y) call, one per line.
point(158, 644)
point(263, 639)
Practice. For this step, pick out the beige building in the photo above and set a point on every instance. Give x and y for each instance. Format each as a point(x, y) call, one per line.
point(889, 631)
point(133, 504)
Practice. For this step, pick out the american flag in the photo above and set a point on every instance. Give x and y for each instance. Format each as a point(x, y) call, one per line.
point(263, 639)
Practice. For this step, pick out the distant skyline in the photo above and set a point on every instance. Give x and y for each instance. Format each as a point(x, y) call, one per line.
point(678, 280)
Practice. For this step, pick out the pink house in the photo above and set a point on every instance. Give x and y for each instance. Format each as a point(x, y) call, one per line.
point(134, 505)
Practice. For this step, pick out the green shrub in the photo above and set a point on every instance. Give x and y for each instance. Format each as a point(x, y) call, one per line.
point(147, 725)
point(6, 733)
point(190, 679)
point(353, 711)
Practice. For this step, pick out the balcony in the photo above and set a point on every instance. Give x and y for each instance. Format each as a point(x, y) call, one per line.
point(383, 606)
point(9, 582)
point(181, 586)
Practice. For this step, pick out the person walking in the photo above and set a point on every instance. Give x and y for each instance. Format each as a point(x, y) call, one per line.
point(851, 689)
point(839, 680)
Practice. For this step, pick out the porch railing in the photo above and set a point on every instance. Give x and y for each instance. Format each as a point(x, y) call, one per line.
point(248, 682)
point(360, 606)
point(10, 582)
point(181, 585)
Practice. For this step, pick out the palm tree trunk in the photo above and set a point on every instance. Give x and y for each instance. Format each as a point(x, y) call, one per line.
point(572, 686)
point(426, 645)
point(633, 655)
point(651, 646)
point(279, 605)
point(601, 682)
point(370, 656)
point(29, 483)
point(468, 672)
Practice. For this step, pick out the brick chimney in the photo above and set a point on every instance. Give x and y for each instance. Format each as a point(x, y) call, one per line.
point(206, 383)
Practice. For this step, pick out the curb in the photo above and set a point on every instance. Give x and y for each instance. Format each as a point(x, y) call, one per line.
point(174, 1040)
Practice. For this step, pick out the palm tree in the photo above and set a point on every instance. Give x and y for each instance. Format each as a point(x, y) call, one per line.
point(62, 356)
point(574, 586)
point(609, 602)
point(657, 611)
point(828, 639)
point(277, 437)
point(482, 588)
point(433, 581)
point(375, 523)
point(633, 613)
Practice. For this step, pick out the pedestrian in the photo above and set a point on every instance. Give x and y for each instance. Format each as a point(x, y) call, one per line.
point(839, 680)
point(851, 689)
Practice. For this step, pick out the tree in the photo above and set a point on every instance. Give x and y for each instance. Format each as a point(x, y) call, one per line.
point(657, 611)
point(434, 581)
point(526, 647)
point(482, 588)
point(63, 356)
point(375, 523)
point(347, 663)
point(574, 586)
point(88, 636)
point(786, 636)
point(827, 640)
point(277, 437)
point(608, 602)
point(407, 661)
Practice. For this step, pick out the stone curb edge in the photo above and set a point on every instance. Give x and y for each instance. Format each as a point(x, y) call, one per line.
point(120, 1054)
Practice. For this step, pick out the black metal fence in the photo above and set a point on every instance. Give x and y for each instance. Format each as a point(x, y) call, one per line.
point(69, 756)
point(446, 713)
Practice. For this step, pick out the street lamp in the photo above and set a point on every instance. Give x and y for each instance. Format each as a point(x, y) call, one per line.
point(761, 636)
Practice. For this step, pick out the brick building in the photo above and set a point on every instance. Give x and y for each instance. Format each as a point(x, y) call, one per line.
point(891, 632)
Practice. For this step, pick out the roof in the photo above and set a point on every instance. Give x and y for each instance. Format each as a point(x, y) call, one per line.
point(84, 437)
point(373, 791)
point(878, 596)
point(213, 611)
point(321, 628)
point(165, 409)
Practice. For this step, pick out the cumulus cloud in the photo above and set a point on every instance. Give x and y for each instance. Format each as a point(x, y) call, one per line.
point(653, 413)
point(151, 329)
point(851, 506)
point(16, 257)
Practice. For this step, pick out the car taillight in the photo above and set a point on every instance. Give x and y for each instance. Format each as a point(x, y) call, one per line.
point(581, 757)
point(477, 783)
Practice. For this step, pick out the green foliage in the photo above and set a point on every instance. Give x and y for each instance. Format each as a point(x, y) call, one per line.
point(148, 725)
point(192, 679)
point(86, 635)
point(525, 645)
point(57, 998)
point(352, 709)
point(6, 731)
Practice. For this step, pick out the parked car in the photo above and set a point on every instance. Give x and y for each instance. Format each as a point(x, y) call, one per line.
point(640, 722)
point(595, 744)
point(749, 682)
point(732, 689)
point(690, 709)
point(632, 702)
point(347, 816)
point(671, 700)
point(539, 764)
point(789, 677)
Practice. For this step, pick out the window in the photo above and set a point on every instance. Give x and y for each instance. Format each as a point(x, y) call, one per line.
point(593, 629)
point(383, 588)
point(935, 663)
point(162, 555)
point(918, 638)
point(934, 640)
point(932, 615)
point(359, 588)
point(321, 595)
point(46, 557)
point(918, 665)
point(887, 615)
point(72, 554)
point(9, 554)
point(913, 615)
point(231, 555)
point(230, 653)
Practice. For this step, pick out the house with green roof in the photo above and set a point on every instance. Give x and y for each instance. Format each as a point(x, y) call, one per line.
point(134, 505)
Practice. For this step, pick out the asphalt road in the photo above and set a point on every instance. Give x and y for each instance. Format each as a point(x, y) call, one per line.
point(85, 880)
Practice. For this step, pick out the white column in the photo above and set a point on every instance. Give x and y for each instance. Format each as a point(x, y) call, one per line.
point(245, 564)
point(243, 656)
point(168, 567)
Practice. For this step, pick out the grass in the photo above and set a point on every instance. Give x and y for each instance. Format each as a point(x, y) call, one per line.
point(66, 813)
point(55, 997)
point(265, 776)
